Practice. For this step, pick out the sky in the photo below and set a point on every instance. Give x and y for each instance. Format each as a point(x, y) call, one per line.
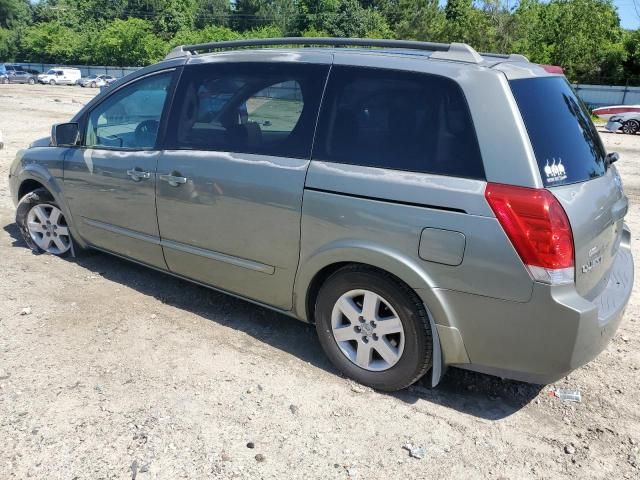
point(629, 17)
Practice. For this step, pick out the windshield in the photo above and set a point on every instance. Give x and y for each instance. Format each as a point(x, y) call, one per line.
point(51, 72)
point(566, 143)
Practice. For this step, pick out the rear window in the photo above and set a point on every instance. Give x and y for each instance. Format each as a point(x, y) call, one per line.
point(397, 120)
point(566, 144)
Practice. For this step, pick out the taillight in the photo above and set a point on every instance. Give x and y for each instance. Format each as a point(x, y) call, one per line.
point(538, 228)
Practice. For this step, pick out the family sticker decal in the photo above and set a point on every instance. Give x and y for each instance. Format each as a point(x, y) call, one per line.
point(555, 172)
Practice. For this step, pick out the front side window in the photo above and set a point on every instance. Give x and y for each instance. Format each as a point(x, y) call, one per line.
point(129, 118)
point(397, 120)
point(256, 108)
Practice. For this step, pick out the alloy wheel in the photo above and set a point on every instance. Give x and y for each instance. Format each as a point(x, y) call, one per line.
point(367, 330)
point(48, 229)
point(631, 127)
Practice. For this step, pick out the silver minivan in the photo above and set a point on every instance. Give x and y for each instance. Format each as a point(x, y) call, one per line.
point(423, 205)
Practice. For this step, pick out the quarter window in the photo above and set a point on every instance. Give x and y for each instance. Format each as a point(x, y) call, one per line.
point(129, 118)
point(398, 120)
point(256, 108)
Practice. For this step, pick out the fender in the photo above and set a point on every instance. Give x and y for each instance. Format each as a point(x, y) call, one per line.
point(449, 349)
point(39, 173)
point(356, 251)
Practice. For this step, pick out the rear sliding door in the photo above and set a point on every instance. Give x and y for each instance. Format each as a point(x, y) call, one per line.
point(231, 179)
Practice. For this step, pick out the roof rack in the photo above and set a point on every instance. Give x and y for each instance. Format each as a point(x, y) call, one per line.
point(460, 52)
point(513, 57)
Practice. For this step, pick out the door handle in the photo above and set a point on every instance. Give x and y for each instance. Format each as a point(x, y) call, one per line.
point(137, 175)
point(174, 179)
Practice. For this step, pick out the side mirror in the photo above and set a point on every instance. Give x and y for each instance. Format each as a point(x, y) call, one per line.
point(65, 134)
point(612, 157)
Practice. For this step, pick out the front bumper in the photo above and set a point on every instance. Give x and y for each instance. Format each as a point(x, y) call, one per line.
point(543, 340)
point(613, 127)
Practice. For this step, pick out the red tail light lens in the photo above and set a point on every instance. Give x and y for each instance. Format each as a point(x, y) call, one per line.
point(538, 228)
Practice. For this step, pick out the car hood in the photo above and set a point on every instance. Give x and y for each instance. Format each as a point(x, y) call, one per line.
point(41, 142)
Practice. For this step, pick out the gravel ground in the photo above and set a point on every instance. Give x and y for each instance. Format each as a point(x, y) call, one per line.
point(112, 371)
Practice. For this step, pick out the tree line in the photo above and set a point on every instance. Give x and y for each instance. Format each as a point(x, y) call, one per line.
point(582, 36)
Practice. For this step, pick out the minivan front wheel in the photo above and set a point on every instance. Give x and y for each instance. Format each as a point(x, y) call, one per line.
point(42, 223)
point(373, 328)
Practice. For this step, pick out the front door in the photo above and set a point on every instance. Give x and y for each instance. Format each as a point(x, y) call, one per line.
point(110, 181)
point(230, 183)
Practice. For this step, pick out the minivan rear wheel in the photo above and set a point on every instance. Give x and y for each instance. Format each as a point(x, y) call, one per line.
point(373, 328)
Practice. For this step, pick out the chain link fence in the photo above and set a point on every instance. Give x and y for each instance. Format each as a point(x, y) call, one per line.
point(602, 95)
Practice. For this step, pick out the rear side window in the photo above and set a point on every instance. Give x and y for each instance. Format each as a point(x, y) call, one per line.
point(566, 144)
point(398, 120)
point(261, 108)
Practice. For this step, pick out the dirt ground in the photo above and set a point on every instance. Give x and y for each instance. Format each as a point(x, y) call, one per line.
point(120, 372)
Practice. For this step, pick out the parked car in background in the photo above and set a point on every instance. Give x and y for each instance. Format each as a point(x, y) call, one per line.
point(7, 68)
point(607, 112)
point(20, 76)
point(95, 81)
point(3, 74)
point(32, 71)
point(628, 123)
point(60, 76)
point(364, 191)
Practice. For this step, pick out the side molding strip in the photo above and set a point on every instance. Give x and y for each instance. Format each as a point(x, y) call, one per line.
point(181, 247)
point(122, 231)
point(221, 257)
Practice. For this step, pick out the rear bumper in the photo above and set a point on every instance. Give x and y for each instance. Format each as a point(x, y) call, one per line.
point(542, 340)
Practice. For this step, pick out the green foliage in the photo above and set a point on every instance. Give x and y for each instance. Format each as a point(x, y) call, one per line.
point(204, 35)
point(13, 13)
point(269, 31)
point(8, 46)
point(128, 42)
point(212, 13)
point(48, 42)
point(582, 36)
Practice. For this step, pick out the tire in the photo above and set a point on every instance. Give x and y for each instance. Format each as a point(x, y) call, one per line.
point(40, 230)
point(31, 81)
point(4, 81)
point(52, 82)
point(410, 349)
point(631, 127)
point(93, 85)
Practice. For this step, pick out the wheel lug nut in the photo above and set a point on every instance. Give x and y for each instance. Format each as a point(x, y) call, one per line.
point(375, 337)
point(361, 319)
point(373, 324)
point(365, 339)
point(357, 329)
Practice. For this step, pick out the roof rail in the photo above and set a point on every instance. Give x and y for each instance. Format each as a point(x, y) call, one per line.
point(513, 57)
point(460, 52)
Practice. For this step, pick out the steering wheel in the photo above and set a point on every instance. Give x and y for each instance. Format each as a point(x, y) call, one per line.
point(146, 133)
